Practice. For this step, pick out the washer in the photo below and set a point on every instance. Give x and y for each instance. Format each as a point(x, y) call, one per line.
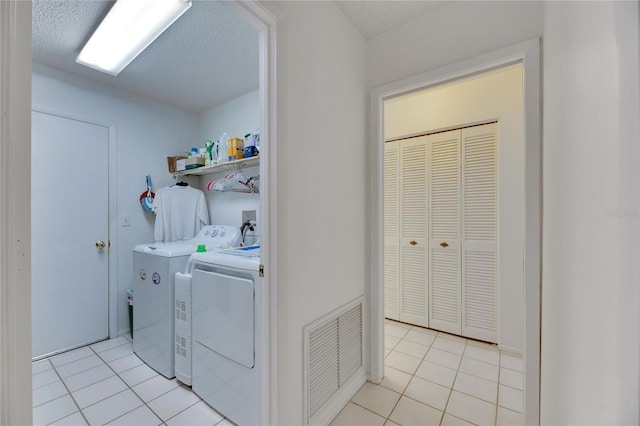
point(154, 269)
point(227, 334)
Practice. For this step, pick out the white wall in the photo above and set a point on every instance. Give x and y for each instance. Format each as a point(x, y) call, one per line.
point(460, 31)
point(321, 179)
point(236, 118)
point(494, 95)
point(147, 132)
point(591, 233)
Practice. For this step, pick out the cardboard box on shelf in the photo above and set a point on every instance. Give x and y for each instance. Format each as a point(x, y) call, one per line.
point(172, 163)
point(193, 162)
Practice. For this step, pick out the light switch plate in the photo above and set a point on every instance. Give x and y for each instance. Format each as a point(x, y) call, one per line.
point(248, 215)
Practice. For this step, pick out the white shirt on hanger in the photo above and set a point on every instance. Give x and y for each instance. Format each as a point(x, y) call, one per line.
point(181, 211)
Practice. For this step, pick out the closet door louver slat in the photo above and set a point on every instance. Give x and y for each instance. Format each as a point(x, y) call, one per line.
point(391, 231)
point(414, 231)
point(414, 286)
point(480, 224)
point(445, 293)
point(444, 262)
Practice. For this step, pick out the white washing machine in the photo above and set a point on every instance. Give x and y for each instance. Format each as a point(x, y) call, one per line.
point(154, 269)
point(227, 338)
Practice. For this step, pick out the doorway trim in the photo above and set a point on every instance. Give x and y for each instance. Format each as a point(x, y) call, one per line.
point(265, 21)
point(15, 212)
point(527, 53)
point(15, 181)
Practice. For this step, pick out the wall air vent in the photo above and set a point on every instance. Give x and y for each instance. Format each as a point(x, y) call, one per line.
point(333, 361)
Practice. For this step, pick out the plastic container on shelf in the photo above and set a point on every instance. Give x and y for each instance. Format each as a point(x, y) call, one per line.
point(223, 156)
point(238, 147)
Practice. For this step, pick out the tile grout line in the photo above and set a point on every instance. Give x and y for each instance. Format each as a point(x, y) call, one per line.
point(115, 374)
point(401, 393)
point(144, 403)
point(444, 411)
point(128, 387)
point(163, 422)
point(68, 393)
point(81, 410)
point(412, 376)
point(499, 366)
point(48, 384)
point(387, 418)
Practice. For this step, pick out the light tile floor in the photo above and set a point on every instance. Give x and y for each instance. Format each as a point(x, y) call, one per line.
point(106, 383)
point(434, 378)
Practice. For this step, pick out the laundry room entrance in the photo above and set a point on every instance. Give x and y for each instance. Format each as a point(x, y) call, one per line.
point(170, 115)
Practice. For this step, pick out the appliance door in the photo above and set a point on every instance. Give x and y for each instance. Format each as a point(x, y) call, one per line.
point(223, 315)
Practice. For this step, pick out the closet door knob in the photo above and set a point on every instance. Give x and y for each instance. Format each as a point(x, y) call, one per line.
point(413, 243)
point(100, 244)
point(443, 244)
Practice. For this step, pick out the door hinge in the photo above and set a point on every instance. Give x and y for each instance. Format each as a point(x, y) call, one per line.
point(261, 271)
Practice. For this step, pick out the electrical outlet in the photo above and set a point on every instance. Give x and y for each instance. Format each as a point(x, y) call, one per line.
point(248, 215)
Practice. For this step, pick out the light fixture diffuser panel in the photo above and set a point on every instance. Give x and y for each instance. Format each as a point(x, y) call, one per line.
point(129, 28)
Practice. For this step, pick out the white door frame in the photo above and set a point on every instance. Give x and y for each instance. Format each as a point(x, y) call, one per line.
point(265, 22)
point(15, 205)
point(112, 194)
point(527, 53)
point(15, 212)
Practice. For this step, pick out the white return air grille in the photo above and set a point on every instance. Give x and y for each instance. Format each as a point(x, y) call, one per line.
point(333, 348)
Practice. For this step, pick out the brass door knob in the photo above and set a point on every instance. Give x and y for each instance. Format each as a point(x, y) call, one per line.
point(413, 243)
point(443, 244)
point(100, 244)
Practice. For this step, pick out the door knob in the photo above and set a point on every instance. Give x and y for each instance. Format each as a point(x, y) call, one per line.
point(413, 243)
point(443, 244)
point(100, 244)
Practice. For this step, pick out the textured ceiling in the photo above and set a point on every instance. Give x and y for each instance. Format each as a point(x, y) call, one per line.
point(373, 18)
point(206, 58)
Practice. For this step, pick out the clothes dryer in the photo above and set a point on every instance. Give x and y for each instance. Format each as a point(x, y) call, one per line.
point(154, 269)
point(227, 334)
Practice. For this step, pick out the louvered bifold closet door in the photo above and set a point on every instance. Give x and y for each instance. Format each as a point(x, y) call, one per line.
point(444, 180)
point(479, 242)
point(391, 230)
point(414, 293)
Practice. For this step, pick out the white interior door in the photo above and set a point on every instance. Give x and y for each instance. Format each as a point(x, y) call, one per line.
point(69, 220)
point(444, 179)
point(414, 304)
point(480, 233)
point(391, 230)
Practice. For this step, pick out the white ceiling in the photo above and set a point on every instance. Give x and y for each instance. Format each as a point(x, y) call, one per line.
point(372, 17)
point(208, 57)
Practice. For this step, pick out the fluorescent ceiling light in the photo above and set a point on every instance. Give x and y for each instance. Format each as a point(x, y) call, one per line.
point(129, 27)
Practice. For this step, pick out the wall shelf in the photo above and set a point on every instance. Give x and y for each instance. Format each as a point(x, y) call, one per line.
point(215, 168)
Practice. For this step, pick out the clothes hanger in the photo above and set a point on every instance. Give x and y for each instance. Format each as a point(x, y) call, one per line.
point(180, 182)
